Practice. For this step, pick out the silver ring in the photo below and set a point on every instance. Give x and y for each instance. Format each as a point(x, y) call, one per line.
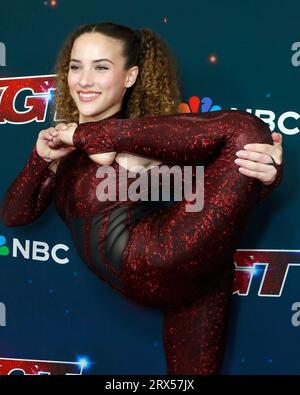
point(273, 161)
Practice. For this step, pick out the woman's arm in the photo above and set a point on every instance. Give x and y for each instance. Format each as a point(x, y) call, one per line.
point(29, 194)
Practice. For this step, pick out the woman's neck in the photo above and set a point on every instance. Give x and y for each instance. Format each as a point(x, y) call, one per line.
point(113, 113)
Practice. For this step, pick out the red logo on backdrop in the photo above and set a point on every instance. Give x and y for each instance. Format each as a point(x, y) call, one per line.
point(276, 265)
point(9, 366)
point(25, 99)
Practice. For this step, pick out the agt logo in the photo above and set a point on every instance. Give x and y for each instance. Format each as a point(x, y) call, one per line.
point(9, 366)
point(2, 314)
point(34, 250)
point(269, 268)
point(296, 56)
point(2, 55)
point(33, 95)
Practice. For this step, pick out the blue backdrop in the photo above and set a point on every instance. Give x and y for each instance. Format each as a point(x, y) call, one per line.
point(59, 316)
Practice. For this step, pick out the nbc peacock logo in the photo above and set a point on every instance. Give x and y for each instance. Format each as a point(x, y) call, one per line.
point(195, 105)
point(4, 250)
point(34, 250)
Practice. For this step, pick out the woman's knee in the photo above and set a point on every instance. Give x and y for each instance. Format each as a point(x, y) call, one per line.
point(249, 129)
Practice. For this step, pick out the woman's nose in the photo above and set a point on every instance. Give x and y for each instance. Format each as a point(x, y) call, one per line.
point(86, 79)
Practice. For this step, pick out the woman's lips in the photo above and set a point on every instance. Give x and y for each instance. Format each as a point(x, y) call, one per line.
point(88, 97)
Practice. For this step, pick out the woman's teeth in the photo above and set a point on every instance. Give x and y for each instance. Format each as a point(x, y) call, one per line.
point(88, 96)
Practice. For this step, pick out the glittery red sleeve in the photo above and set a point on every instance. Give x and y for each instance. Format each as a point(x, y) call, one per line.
point(29, 194)
point(185, 139)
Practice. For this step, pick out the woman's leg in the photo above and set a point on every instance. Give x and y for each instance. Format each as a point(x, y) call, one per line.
point(182, 261)
point(173, 255)
point(194, 334)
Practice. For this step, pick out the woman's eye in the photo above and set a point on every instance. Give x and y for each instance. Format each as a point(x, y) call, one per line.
point(101, 67)
point(73, 67)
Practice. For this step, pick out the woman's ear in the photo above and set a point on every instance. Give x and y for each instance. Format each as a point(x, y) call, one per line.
point(132, 76)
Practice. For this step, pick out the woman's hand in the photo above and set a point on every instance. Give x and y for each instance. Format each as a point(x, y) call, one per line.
point(46, 150)
point(64, 135)
point(255, 160)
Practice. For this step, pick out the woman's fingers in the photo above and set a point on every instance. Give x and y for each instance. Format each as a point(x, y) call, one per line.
point(262, 148)
point(56, 140)
point(272, 150)
point(61, 126)
point(260, 167)
point(277, 138)
point(263, 172)
point(58, 135)
point(47, 136)
point(53, 132)
point(265, 178)
point(254, 156)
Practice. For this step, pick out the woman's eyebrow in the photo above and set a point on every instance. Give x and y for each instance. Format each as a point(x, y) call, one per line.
point(94, 61)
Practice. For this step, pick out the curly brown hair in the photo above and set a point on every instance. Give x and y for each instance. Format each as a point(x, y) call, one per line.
point(156, 90)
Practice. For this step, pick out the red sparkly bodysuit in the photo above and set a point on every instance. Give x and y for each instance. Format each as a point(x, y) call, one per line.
point(156, 252)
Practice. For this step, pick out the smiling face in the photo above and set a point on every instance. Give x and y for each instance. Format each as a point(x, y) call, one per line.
point(96, 78)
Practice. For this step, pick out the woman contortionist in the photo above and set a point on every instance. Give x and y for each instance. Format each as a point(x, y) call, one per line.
point(118, 92)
